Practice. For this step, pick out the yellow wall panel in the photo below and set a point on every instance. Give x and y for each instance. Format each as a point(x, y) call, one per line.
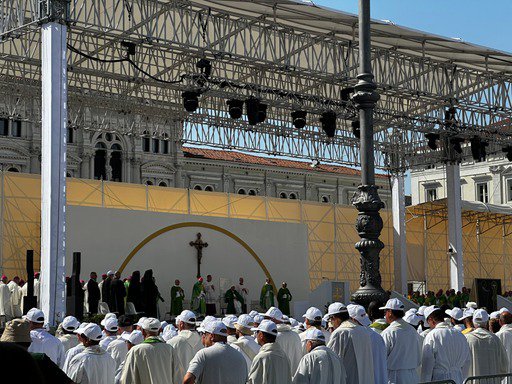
point(247, 207)
point(204, 203)
point(124, 196)
point(84, 192)
point(284, 210)
point(170, 200)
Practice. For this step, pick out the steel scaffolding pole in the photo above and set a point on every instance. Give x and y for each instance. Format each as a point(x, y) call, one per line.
point(53, 170)
point(454, 225)
point(369, 223)
point(399, 233)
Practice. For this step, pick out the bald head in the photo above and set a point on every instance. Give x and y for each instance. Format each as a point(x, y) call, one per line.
point(505, 318)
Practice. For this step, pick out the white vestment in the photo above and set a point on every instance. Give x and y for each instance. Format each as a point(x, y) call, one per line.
point(185, 346)
point(106, 341)
point(24, 290)
point(16, 296)
point(5, 301)
point(505, 336)
point(69, 341)
point(403, 347)
point(270, 366)
point(70, 354)
point(290, 343)
point(43, 342)
point(244, 292)
point(352, 343)
point(488, 355)
point(380, 361)
point(92, 366)
point(248, 347)
point(149, 362)
point(445, 354)
point(118, 350)
point(320, 366)
point(302, 336)
point(209, 289)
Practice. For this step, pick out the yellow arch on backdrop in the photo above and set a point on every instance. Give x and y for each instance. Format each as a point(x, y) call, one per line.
point(197, 224)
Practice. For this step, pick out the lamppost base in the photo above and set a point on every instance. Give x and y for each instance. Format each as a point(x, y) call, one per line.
point(365, 295)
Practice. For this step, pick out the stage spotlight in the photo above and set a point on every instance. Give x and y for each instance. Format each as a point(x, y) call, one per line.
point(205, 66)
point(262, 112)
point(236, 108)
point(190, 100)
point(345, 93)
point(328, 121)
point(252, 106)
point(478, 150)
point(508, 152)
point(432, 140)
point(299, 119)
point(356, 128)
point(456, 144)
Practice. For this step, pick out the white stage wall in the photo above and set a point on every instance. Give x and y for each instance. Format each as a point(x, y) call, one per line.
point(106, 237)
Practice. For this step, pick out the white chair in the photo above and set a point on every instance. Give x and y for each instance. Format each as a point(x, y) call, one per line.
point(103, 308)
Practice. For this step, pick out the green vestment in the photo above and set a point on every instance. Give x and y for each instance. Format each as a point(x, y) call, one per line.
point(267, 297)
point(198, 298)
point(283, 298)
point(177, 296)
point(229, 298)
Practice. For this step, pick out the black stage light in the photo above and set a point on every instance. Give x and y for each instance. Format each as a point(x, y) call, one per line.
point(190, 100)
point(236, 108)
point(356, 128)
point(478, 150)
point(328, 121)
point(252, 106)
point(299, 119)
point(262, 112)
point(456, 144)
point(508, 152)
point(205, 66)
point(345, 93)
point(432, 140)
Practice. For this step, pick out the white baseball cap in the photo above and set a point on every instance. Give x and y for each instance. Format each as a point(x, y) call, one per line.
point(494, 315)
point(70, 323)
point(141, 321)
point(412, 318)
point(430, 310)
point(108, 316)
point(111, 324)
point(293, 322)
point(468, 312)
point(244, 321)
point(421, 310)
point(455, 313)
point(80, 328)
point(313, 314)
point(394, 305)
point(229, 321)
point(336, 308)
point(273, 313)
point(35, 315)
point(188, 317)
point(92, 332)
point(151, 324)
point(357, 312)
point(134, 338)
point(258, 318)
point(253, 313)
point(502, 310)
point(110, 273)
point(314, 334)
point(266, 326)
point(472, 304)
point(169, 332)
point(215, 327)
point(480, 315)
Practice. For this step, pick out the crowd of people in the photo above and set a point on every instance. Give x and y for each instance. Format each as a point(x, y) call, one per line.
point(345, 345)
point(451, 298)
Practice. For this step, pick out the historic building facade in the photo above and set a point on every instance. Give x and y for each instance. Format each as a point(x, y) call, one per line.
point(155, 159)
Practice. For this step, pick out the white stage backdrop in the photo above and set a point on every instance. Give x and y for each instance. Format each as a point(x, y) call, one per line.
point(105, 237)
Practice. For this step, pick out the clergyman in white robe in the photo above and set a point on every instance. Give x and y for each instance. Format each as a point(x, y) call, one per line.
point(5, 301)
point(91, 366)
point(16, 296)
point(290, 343)
point(185, 346)
point(270, 366)
point(505, 336)
point(488, 355)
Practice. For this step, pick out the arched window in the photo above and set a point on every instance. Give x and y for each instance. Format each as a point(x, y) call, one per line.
point(208, 188)
point(156, 145)
point(165, 144)
point(100, 161)
point(70, 132)
point(197, 187)
point(68, 174)
point(16, 128)
point(241, 191)
point(292, 196)
point(325, 199)
point(149, 182)
point(252, 192)
point(116, 162)
point(283, 195)
point(162, 184)
point(146, 141)
point(12, 169)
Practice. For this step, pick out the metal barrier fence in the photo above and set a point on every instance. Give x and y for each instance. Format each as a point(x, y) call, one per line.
point(440, 382)
point(490, 379)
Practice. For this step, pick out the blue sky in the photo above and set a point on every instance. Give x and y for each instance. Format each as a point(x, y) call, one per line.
point(475, 21)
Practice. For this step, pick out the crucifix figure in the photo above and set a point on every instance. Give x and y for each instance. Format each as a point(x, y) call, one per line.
point(199, 244)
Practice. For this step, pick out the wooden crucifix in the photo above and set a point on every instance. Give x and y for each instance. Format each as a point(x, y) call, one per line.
point(199, 244)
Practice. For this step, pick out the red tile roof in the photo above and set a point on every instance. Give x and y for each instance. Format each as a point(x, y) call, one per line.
point(238, 157)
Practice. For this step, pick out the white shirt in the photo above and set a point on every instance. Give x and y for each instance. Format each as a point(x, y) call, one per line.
point(185, 346)
point(5, 301)
point(488, 355)
point(43, 342)
point(218, 364)
point(92, 366)
point(290, 343)
point(445, 354)
point(70, 354)
point(69, 341)
point(403, 346)
point(149, 362)
point(106, 341)
point(380, 360)
point(505, 336)
point(352, 343)
point(320, 366)
point(270, 366)
point(118, 350)
point(248, 347)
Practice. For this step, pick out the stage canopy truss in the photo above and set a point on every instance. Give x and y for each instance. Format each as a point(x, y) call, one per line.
point(130, 61)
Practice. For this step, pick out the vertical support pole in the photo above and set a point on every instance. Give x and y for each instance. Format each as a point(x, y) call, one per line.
point(53, 170)
point(369, 223)
point(399, 237)
point(2, 193)
point(454, 225)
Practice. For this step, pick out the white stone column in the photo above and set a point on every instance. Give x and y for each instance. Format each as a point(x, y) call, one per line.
point(53, 170)
point(454, 226)
point(399, 238)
